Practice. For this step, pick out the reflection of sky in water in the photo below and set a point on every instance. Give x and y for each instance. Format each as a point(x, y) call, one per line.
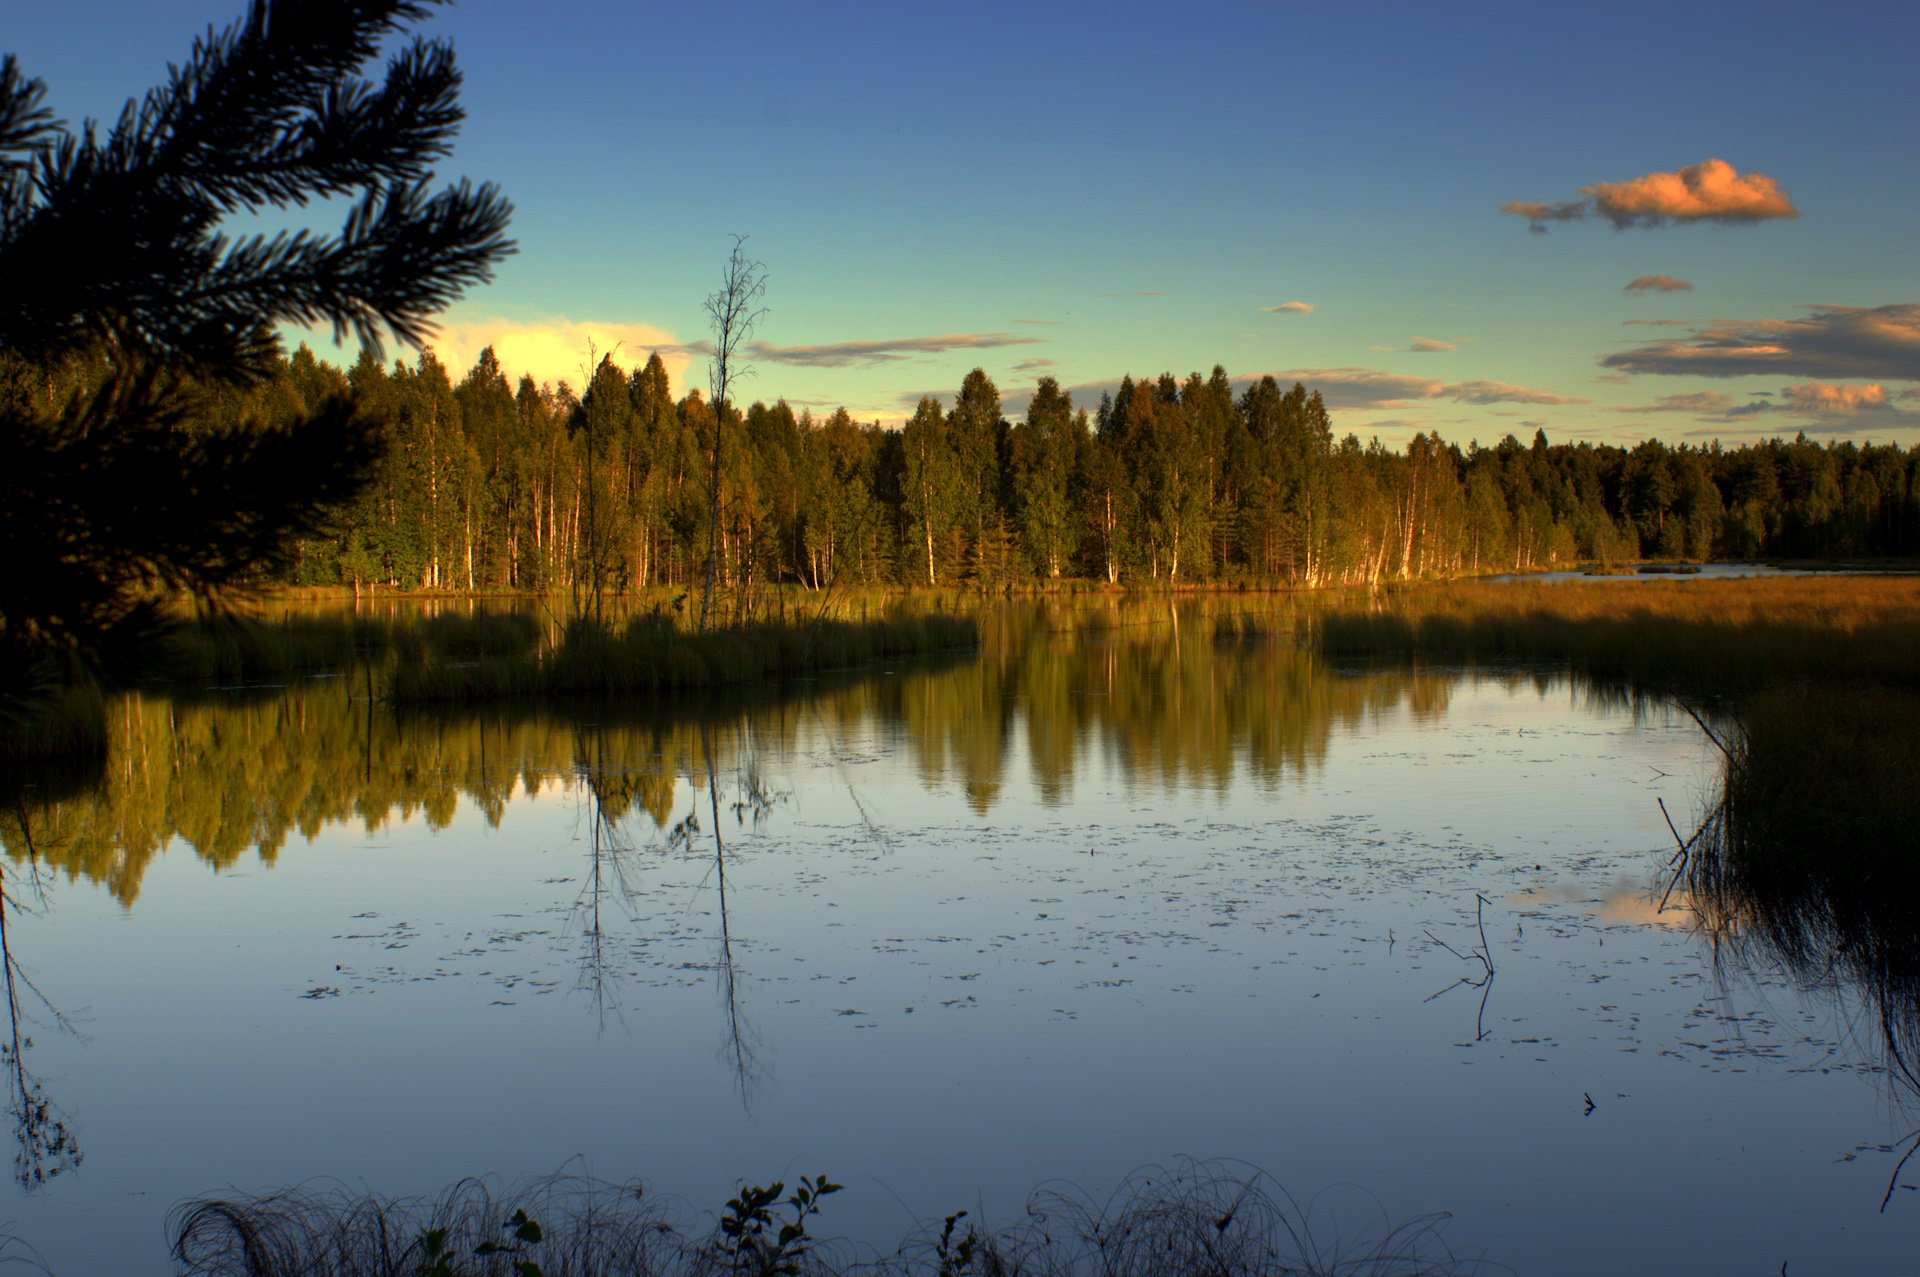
point(946, 1005)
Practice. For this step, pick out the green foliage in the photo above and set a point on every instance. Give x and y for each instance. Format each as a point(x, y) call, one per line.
point(438, 1254)
point(955, 1257)
point(748, 1233)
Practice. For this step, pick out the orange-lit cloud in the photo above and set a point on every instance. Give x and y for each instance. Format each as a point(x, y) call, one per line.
point(1826, 398)
point(1658, 284)
point(1710, 191)
point(1290, 308)
point(1821, 407)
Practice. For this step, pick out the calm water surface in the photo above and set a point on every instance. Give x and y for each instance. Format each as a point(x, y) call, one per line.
point(1108, 895)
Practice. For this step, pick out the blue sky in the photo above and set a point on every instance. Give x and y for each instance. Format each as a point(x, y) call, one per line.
point(1085, 191)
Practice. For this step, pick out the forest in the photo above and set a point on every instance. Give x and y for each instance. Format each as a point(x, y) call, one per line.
point(483, 484)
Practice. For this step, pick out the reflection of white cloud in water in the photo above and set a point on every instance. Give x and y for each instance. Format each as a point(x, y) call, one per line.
point(1624, 902)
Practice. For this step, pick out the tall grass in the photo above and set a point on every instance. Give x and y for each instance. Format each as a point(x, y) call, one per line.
point(1713, 638)
point(1193, 1220)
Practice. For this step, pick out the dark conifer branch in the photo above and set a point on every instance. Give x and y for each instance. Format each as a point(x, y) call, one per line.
point(111, 252)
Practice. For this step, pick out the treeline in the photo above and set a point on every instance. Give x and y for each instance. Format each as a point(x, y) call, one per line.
point(485, 485)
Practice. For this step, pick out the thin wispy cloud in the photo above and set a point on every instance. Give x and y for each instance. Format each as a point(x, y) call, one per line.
point(852, 354)
point(1035, 364)
point(1539, 214)
point(1702, 403)
point(1289, 308)
point(1373, 388)
point(1710, 191)
point(1348, 388)
point(1833, 343)
point(1432, 346)
point(1037, 322)
point(1658, 284)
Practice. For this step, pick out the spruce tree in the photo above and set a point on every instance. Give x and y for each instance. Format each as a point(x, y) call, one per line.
point(112, 251)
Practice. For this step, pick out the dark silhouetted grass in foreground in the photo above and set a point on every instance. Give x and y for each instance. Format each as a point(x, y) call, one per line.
point(1215, 1219)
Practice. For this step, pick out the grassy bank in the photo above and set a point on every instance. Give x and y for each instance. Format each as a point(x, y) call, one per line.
point(1714, 639)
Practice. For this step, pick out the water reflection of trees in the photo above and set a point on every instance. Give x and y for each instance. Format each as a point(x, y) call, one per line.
point(1141, 686)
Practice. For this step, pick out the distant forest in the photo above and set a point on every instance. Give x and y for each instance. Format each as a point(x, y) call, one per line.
point(485, 485)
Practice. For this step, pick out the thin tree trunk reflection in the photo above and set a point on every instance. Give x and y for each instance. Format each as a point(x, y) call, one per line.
point(45, 1146)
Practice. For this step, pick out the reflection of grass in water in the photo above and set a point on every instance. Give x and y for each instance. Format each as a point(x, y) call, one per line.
point(1813, 859)
point(649, 654)
point(1225, 1219)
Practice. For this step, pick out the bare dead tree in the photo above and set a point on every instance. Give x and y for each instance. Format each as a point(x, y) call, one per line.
point(733, 311)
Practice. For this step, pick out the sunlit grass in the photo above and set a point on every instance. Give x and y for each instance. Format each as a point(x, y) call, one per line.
point(1696, 637)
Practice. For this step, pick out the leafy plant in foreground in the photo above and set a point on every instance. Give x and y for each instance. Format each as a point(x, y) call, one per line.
point(745, 1227)
point(436, 1254)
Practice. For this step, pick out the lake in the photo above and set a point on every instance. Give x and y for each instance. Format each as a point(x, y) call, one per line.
point(1111, 894)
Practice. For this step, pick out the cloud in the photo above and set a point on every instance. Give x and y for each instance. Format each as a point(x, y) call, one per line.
point(1826, 398)
point(1658, 284)
point(846, 354)
point(1538, 214)
point(1037, 321)
point(1350, 389)
point(1504, 392)
point(1429, 345)
point(1138, 292)
point(1705, 403)
point(1290, 308)
point(1373, 388)
point(1030, 365)
point(1812, 401)
point(1710, 191)
point(1881, 343)
point(552, 350)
